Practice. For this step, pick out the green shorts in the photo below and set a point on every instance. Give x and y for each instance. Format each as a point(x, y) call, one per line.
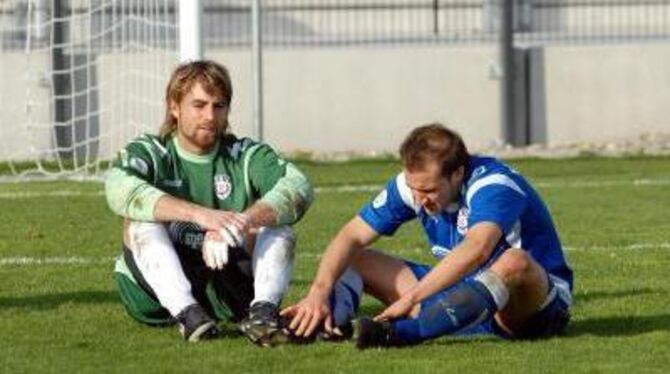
point(225, 294)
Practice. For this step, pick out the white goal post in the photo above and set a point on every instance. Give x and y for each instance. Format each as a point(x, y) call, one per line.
point(80, 78)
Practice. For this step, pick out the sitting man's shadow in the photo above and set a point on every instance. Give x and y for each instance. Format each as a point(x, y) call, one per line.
point(54, 300)
point(619, 325)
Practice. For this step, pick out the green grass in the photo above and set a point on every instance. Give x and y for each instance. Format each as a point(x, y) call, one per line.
point(58, 317)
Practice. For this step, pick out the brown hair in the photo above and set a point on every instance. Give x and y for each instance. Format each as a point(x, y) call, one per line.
point(214, 79)
point(434, 142)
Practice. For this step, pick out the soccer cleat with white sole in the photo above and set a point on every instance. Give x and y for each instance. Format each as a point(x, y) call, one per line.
point(195, 324)
point(263, 325)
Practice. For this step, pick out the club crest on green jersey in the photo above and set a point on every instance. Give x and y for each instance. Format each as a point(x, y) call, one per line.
point(222, 186)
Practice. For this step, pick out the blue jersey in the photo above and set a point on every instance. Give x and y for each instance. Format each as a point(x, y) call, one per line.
point(491, 192)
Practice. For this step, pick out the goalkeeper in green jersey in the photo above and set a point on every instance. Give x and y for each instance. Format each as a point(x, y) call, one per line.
point(207, 231)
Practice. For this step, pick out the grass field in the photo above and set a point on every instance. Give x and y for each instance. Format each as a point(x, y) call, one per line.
point(59, 311)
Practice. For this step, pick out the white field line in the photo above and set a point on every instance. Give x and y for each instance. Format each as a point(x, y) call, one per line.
point(359, 188)
point(46, 260)
point(36, 194)
point(539, 184)
point(350, 188)
point(630, 247)
point(80, 260)
point(599, 184)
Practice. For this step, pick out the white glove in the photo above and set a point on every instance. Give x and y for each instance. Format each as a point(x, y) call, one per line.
point(214, 253)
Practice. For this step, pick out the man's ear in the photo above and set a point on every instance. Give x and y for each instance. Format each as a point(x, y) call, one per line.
point(458, 174)
point(174, 109)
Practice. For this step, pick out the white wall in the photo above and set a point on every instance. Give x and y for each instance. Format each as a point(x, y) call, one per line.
point(132, 96)
point(366, 100)
point(323, 100)
point(26, 127)
point(600, 93)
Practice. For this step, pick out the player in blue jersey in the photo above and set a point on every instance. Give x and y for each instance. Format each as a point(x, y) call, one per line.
point(500, 265)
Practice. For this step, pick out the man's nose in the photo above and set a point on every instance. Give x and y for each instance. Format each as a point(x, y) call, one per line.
point(208, 113)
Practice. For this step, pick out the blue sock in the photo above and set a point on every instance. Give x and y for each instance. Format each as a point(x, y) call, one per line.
point(465, 305)
point(345, 298)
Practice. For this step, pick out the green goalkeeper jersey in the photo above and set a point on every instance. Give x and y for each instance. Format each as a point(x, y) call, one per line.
point(237, 173)
point(234, 175)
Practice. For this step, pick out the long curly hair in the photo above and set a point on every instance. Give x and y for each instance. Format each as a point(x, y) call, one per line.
point(213, 77)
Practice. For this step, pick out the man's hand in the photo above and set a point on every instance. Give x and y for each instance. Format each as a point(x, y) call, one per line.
point(308, 314)
point(231, 226)
point(402, 307)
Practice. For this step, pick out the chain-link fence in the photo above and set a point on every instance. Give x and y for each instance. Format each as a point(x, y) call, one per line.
point(292, 23)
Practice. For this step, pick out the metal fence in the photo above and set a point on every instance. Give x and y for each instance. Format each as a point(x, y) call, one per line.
point(369, 22)
point(291, 23)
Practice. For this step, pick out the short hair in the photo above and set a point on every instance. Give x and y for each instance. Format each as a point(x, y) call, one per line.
point(213, 77)
point(434, 143)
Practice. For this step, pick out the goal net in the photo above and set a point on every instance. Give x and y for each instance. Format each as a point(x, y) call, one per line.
point(79, 79)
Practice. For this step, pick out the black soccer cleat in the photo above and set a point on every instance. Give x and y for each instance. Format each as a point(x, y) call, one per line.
point(263, 325)
point(339, 334)
point(368, 333)
point(195, 324)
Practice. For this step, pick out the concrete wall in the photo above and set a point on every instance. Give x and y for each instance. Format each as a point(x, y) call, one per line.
point(599, 93)
point(26, 128)
point(132, 93)
point(321, 100)
point(364, 100)
point(316, 100)
point(340, 100)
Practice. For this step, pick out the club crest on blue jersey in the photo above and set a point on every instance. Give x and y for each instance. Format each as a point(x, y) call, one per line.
point(478, 171)
point(222, 186)
point(462, 220)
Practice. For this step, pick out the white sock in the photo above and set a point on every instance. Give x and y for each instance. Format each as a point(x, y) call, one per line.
point(272, 263)
point(496, 287)
point(346, 297)
point(156, 258)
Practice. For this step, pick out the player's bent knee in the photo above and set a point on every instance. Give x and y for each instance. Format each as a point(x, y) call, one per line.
point(284, 233)
point(514, 264)
point(144, 234)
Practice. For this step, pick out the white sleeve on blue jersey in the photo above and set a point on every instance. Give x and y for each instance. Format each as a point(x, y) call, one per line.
point(496, 198)
point(392, 207)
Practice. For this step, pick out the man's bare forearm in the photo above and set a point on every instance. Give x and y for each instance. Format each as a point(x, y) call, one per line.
point(261, 214)
point(170, 208)
point(353, 237)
